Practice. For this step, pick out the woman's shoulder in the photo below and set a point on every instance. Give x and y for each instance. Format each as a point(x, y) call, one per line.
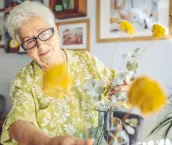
point(78, 53)
point(26, 71)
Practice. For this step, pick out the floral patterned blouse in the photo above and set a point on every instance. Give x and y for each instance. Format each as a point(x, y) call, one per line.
point(70, 115)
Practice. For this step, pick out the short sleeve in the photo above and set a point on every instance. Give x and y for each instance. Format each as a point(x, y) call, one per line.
point(102, 70)
point(23, 107)
point(98, 68)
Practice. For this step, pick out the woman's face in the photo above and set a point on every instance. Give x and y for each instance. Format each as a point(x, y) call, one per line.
point(45, 52)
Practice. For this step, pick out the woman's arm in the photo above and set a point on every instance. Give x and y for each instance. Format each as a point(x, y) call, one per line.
point(26, 133)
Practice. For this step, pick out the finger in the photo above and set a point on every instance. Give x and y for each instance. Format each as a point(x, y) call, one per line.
point(125, 82)
point(112, 92)
point(79, 142)
point(89, 142)
point(124, 88)
point(118, 89)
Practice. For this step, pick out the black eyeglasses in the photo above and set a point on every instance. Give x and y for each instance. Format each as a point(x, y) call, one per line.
point(43, 36)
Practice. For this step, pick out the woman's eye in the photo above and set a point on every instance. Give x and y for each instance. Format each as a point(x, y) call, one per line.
point(30, 42)
point(46, 34)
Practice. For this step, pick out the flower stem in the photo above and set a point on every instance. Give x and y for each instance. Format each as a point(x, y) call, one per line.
point(113, 56)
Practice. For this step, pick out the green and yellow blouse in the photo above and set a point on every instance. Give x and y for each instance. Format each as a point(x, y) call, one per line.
point(67, 115)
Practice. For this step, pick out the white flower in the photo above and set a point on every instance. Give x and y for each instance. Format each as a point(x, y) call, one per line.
point(126, 56)
point(129, 75)
point(102, 105)
point(137, 52)
point(94, 88)
point(119, 79)
point(113, 98)
point(129, 129)
point(121, 96)
point(131, 56)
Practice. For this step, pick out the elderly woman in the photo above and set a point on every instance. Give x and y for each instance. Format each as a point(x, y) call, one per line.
point(36, 119)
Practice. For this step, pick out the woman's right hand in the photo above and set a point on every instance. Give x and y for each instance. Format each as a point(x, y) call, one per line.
point(26, 133)
point(69, 140)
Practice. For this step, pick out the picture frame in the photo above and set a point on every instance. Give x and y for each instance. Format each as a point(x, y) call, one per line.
point(65, 9)
point(74, 35)
point(2, 45)
point(138, 14)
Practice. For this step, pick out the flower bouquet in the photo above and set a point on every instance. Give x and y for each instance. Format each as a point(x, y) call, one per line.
point(117, 124)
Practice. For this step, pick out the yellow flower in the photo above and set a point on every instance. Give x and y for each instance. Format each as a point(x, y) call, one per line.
point(117, 123)
point(127, 27)
point(146, 94)
point(158, 31)
point(56, 80)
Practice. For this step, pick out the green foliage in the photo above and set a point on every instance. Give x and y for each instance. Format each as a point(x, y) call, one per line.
point(131, 66)
point(166, 122)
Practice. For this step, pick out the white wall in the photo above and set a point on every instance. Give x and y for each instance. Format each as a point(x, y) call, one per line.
point(10, 65)
point(156, 63)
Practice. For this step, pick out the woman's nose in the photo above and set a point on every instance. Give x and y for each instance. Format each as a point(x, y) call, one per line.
point(39, 43)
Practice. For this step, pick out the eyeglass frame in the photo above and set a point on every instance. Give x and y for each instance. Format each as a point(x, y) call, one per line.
point(37, 37)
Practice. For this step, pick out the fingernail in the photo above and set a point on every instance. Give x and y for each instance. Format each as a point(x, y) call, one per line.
point(92, 140)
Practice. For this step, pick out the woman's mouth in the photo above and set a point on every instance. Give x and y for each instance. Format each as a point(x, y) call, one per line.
point(44, 53)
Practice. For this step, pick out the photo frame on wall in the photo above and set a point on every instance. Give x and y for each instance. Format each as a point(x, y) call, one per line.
point(65, 9)
point(74, 35)
point(142, 14)
point(2, 45)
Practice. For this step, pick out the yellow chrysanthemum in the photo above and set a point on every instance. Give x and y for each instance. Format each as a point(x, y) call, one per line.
point(127, 27)
point(158, 31)
point(146, 94)
point(56, 80)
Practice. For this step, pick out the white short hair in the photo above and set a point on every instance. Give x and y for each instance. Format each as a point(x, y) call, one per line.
point(23, 12)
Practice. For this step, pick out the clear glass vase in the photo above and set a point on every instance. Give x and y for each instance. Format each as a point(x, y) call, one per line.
point(113, 129)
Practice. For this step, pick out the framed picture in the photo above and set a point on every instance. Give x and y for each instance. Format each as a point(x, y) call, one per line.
point(1, 26)
point(2, 45)
point(74, 34)
point(141, 13)
point(65, 9)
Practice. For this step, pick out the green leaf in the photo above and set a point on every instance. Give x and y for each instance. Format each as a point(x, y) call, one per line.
point(163, 123)
point(167, 131)
point(131, 66)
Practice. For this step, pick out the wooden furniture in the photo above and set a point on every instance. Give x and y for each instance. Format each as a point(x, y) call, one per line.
point(79, 10)
point(8, 5)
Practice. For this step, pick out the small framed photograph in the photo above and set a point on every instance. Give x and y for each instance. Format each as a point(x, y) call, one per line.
point(2, 45)
point(141, 13)
point(74, 34)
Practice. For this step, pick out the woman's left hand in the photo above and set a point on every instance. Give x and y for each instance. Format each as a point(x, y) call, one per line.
point(123, 88)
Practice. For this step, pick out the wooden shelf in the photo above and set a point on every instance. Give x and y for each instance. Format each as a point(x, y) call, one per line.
point(2, 46)
point(80, 9)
